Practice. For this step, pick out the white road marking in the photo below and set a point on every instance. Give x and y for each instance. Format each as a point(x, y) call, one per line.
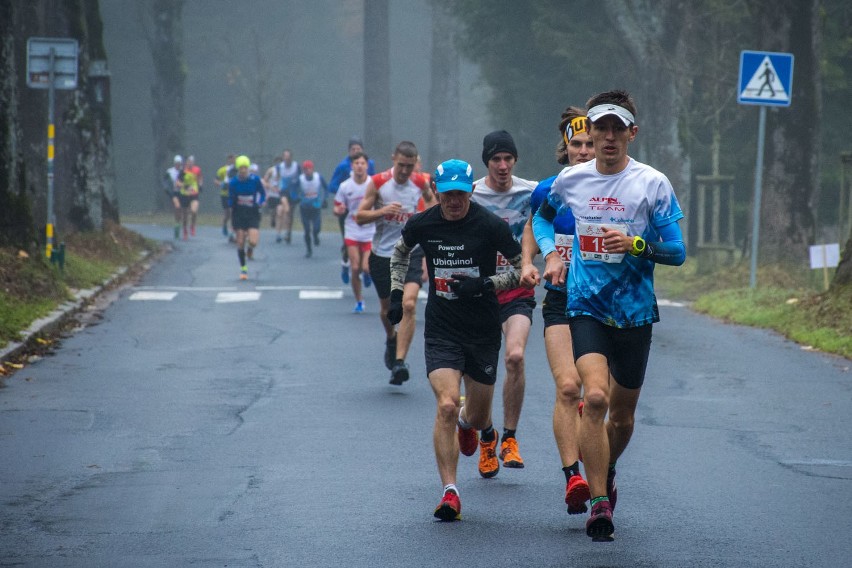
point(153, 296)
point(231, 297)
point(188, 288)
point(320, 294)
point(670, 303)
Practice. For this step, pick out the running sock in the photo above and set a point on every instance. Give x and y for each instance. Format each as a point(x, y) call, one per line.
point(488, 434)
point(463, 424)
point(508, 434)
point(597, 500)
point(571, 470)
point(451, 487)
point(242, 256)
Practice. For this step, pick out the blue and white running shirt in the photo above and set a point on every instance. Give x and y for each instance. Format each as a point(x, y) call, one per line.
point(617, 290)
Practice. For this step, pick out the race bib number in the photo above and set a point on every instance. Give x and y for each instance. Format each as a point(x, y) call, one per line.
point(245, 200)
point(564, 246)
point(591, 241)
point(443, 277)
point(400, 218)
point(503, 264)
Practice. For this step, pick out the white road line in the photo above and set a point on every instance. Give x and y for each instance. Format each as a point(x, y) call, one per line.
point(320, 294)
point(188, 288)
point(231, 297)
point(670, 303)
point(153, 296)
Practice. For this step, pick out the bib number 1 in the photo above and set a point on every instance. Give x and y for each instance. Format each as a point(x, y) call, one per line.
point(591, 241)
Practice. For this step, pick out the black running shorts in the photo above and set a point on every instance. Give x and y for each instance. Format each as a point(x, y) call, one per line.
point(380, 272)
point(478, 361)
point(553, 308)
point(626, 349)
point(518, 306)
point(245, 218)
point(186, 200)
point(273, 202)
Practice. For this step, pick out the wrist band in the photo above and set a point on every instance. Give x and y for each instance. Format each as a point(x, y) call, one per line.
point(638, 246)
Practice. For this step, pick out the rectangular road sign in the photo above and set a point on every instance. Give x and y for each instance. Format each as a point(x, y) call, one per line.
point(766, 78)
point(64, 63)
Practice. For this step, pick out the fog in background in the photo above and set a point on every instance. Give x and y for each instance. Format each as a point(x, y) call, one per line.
point(310, 54)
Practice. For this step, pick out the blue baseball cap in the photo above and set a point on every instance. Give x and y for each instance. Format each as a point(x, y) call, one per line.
point(454, 175)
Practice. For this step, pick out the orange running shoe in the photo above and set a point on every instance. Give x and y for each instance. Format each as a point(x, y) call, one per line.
point(449, 509)
point(488, 463)
point(576, 494)
point(510, 455)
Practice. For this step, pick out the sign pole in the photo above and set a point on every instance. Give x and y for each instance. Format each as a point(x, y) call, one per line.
point(51, 132)
point(758, 187)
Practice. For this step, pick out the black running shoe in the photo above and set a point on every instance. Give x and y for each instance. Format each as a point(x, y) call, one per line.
point(390, 353)
point(399, 373)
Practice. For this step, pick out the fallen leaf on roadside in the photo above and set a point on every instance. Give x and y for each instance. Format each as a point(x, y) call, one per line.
point(23, 254)
point(43, 341)
point(14, 365)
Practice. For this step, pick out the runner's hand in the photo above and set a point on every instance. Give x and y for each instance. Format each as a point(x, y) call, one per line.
point(468, 287)
point(554, 269)
point(529, 276)
point(395, 309)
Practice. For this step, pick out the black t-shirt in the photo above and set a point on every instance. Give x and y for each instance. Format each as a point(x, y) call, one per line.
point(467, 246)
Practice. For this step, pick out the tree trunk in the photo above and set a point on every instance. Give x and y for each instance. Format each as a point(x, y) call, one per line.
point(655, 33)
point(165, 39)
point(93, 198)
point(791, 177)
point(444, 89)
point(377, 121)
point(16, 223)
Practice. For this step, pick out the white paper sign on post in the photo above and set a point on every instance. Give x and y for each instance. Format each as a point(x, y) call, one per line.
point(825, 256)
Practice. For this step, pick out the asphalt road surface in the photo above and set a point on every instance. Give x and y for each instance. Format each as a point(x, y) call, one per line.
point(196, 420)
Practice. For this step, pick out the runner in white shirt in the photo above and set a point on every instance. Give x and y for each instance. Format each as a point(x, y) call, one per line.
point(392, 197)
point(508, 197)
point(626, 222)
point(274, 201)
point(358, 239)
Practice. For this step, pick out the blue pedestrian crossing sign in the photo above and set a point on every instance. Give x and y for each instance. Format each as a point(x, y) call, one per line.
point(766, 78)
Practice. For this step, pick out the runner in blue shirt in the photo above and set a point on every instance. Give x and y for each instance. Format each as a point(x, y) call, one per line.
point(245, 197)
point(626, 221)
point(575, 147)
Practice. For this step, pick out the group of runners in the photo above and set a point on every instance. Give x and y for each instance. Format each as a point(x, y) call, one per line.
point(601, 224)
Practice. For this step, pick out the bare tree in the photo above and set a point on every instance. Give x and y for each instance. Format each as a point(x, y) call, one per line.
point(791, 177)
point(444, 88)
point(377, 122)
point(163, 24)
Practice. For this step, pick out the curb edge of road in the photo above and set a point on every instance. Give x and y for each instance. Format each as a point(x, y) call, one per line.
point(54, 321)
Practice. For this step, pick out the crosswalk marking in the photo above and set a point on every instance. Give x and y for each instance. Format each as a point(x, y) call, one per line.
point(232, 297)
point(153, 296)
point(320, 294)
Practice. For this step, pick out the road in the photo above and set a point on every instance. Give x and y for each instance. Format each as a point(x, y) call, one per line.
point(183, 425)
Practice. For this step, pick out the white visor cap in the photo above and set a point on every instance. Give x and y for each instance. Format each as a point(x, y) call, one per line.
point(599, 111)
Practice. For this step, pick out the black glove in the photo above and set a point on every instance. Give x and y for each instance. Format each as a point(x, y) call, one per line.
point(467, 287)
point(395, 309)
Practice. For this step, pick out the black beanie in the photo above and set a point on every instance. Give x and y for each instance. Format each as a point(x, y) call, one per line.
point(497, 141)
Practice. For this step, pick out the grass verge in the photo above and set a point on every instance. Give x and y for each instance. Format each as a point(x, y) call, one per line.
point(31, 287)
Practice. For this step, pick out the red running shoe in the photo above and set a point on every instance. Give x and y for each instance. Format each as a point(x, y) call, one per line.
point(611, 489)
point(576, 494)
point(468, 440)
point(449, 509)
point(599, 525)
